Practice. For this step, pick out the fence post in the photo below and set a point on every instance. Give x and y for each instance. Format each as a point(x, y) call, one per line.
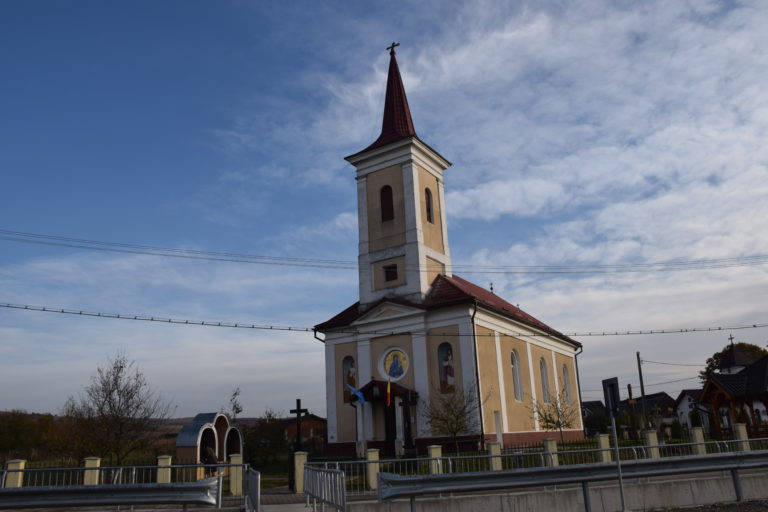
point(91, 475)
point(494, 450)
point(163, 469)
point(651, 439)
point(604, 445)
point(236, 474)
point(372, 467)
point(550, 448)
point(740, 434)
point(434, 451)
point(699, 448)
point(15, 475)
point(299, 461)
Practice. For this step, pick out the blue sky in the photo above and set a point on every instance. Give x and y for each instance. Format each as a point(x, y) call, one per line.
point(584, 133)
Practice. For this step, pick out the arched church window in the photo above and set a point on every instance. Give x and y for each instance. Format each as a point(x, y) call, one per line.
point(349, 376)
point(387, 204)
point(544, 380)
point(516, 381)
point(428, 201)
point(447, 368)
point(566, 385)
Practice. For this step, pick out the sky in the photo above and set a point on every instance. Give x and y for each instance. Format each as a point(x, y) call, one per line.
point(589, 135)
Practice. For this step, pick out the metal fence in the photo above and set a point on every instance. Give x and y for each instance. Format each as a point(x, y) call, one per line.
point(240, 484)
point(325, 486)
point(360, 475)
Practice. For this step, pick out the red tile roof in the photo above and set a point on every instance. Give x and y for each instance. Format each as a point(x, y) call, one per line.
point(445, 292)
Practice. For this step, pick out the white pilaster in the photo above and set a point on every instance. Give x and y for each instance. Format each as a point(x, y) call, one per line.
point(330, 391)
point(533, 384)
point(421, 380)
point(502, 387)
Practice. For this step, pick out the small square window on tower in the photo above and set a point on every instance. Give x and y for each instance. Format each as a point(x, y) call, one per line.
point(390, 272)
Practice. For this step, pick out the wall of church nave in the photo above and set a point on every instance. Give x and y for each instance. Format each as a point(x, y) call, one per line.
point(432, 231)
point(444, 359)
point(347, 365)
point(569, 389)
point(390, 233)
point(517, 387)
point(386, 347)
point(489, 377)
point(539, 355)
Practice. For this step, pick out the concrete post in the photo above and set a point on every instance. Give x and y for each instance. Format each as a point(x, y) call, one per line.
point(299, 461)
point(494, 450)
point(91, 474)
point(740, 434)
point(372, 456)
point(550, 452)
point(697, 433)
point(435, 451)
point(651, 441)
point(604, 445)
point(15, 475)
point(236, 475)
point(164, 469)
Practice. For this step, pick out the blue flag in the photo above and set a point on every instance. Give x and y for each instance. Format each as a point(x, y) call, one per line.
point(357, 393)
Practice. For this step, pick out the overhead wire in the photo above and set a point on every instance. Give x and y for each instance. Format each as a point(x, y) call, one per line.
point(235, 257)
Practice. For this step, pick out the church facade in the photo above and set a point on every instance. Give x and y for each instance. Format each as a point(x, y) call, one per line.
point(419, 333)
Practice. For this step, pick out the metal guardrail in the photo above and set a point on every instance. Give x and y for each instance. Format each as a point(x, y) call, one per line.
point(399, 486)
point(325, 486)
point(203, 492)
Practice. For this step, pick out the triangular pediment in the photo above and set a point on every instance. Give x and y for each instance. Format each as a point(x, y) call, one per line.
point(387, 310)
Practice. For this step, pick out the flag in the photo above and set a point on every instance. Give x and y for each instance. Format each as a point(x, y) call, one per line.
point(389, 395)
point(358, 394)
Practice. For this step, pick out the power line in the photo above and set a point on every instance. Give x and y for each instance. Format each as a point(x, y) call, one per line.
point(672, 364)
point(154, 318)
point(232, 257)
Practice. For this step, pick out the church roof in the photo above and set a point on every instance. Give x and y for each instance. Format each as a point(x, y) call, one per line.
point(734, 356)
point(448, 291)
point(751, 381)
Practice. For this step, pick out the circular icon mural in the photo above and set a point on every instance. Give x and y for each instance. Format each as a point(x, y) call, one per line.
point(394, 364)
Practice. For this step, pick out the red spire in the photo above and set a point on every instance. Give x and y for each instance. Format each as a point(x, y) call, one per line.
point(397, 123)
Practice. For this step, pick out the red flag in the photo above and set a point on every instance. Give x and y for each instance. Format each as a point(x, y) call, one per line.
point(389, 396)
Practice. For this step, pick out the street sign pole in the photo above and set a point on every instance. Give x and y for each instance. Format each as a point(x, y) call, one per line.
point(611, 395)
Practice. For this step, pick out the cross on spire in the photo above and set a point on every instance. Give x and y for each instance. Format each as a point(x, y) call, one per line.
point(392, 48)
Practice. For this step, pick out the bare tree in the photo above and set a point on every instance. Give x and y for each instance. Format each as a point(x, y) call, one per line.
point(556, 414)
point(118, 413)
point(452, 414)
point(235, 407)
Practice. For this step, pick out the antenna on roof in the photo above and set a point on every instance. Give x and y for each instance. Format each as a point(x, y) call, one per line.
point(491, 286)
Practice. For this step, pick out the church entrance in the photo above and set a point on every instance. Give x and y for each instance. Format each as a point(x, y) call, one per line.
point(392, 405)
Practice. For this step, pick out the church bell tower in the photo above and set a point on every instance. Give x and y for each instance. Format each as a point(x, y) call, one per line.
point(401, 208)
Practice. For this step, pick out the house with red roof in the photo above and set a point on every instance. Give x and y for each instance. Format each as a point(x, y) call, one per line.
point(419, 334)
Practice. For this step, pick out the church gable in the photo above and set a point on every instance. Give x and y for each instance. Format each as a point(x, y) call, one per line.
point(387, 310)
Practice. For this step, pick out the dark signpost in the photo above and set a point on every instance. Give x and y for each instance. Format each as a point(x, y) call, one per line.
point(611, 395)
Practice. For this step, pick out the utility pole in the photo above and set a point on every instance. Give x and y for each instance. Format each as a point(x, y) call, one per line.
point(642, 389)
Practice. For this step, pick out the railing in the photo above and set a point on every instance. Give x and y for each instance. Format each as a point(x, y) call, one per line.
point(360, 475)
point(203, 492)
point(240, 483)
point(325, 486)
point(392, 486)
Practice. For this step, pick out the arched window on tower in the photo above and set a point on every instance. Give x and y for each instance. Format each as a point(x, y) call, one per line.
point(516, 382)
point(544, 381)
point(566, 385)
point(428, 202)
point(387, 204)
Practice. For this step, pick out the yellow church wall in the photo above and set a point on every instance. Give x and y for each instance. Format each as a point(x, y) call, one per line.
point(489, 377)
point(519, 416)
point(345, 415)
point(434, 268)
point(436, 337)
point(391, 233)
point(378, 273)
point(537, 353)
point(561, 360)
point(432, 231)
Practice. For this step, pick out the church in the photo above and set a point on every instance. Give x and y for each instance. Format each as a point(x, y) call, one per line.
point(420, 333)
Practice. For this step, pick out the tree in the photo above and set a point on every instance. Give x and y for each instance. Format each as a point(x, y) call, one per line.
point(452, 414)
point(234, 404)
point(119, 414)
point(265, 440)
point(756, 352)
point(557, 414)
